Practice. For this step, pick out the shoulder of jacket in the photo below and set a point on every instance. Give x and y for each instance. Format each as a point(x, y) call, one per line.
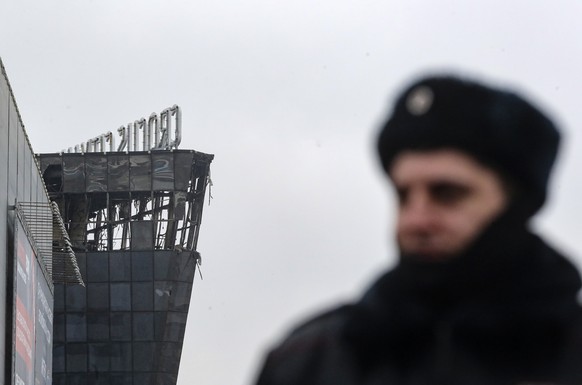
point(316, 333)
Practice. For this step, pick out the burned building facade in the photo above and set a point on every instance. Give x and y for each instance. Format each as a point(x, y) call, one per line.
point(133, 219)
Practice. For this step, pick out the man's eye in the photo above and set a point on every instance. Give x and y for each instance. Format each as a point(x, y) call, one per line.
point(402, 195)
point(448, 193)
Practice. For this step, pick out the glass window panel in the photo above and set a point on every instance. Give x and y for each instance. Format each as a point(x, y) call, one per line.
point(77, 379)
point(144, 378)
point(170, 326)
point(143, 326)
point(98, 296)
point(162, 293)
point(181, 296)
point(167, 378)
point(142, 296)
point(75, 298)
point(143, 356)
point(73, 173)
point(98, 378)
point(121, 379)
point(76, 328)
point(59, 378)
point(162, 264)
point(186, 266)
point(142, 235)
point(183, 167)
point(169, 359)
point(48, 160)
point(118, 176)
point(97, 267)
point(76, 358)
point(140, 171)
point(98, 326)
point(59, 296)
point(120, 266)
point(120, 296)
point(120, 326)
point(142, 266)
point(58, 358)
point(173, 266)
point(96, 167)
point(99, 357)
point(59, 327)
point(163, 171)
point(121, 357)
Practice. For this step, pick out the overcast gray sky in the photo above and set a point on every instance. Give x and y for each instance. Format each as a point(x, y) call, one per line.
point(288, 96)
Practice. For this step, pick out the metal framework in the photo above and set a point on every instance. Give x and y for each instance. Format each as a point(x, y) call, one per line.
point(47, 232)
point(129, 201)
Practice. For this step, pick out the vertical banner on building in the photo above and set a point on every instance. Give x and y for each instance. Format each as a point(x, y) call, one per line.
point(33, 316)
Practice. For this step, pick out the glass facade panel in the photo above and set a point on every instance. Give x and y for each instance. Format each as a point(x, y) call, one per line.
point(98, 378)
point(140, 171)
point(97, 267)
point(183, 169)
point(142, 235)
point(77, 379)
point(181, 298)
point(162, 266)
point(143, 326)
point(121, 379)
point(169, 359)
point(142, 298)
point(74, 173)
point(58, 358)
point(98, 357)
point(96, 167)
point(59, 379)
point(172, 266)
point(59, 324)
point(76, 358)
point(162, 293)
point(76, 329)
point(120, 266)
point(143, 356)
point(163, 171)
point(120, 323)
point(120, 297)
point(59, 297)
point(98, 326)
point(144, 379)
point(142, 266)
point(118, 172)
point(121, 357)
point(97, 296)
point(170, 326)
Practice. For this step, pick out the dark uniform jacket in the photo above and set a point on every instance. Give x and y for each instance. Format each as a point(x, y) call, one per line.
point(504, 312)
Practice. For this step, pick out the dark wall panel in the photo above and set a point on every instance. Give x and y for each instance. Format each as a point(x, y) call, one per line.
point(21, 169)
point(4, 131)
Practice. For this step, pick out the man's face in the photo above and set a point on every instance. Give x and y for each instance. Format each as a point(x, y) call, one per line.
point(446, 199)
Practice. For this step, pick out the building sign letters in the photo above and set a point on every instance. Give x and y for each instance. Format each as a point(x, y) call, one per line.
point(158, 132)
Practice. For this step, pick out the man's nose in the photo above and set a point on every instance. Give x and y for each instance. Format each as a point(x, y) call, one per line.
point(417, 212)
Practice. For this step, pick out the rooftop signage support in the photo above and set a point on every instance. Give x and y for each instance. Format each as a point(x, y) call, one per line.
point(158, 132)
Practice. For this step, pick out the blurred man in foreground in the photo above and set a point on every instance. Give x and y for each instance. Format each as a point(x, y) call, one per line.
point(475, 298)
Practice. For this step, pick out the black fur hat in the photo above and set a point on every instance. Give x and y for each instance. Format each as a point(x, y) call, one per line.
point(497, 127)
